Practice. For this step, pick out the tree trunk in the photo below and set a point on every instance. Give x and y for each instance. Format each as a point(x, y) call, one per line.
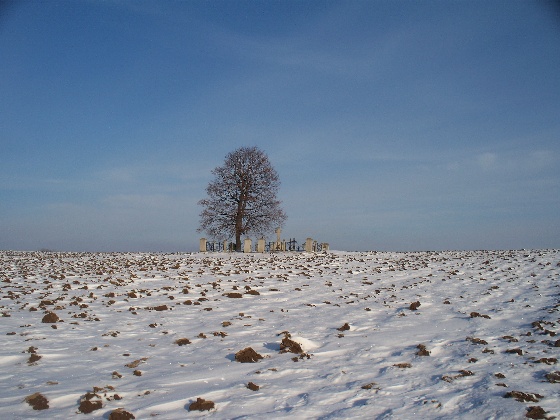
point(238, 241)
point(238, 226)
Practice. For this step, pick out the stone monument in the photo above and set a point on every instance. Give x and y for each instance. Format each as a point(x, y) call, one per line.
point(260, 245)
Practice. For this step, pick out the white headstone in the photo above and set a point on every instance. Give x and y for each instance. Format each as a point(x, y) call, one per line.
point(260, 245)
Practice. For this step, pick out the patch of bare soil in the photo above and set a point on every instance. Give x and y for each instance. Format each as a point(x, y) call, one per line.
point(478, 315)
point(345, 327)
point(462, 374)
point(247, 355)
point(403, 365)
point(182, 341)
point(290, 346)
point(371, 385)
point(136, 363)
point(536, 412)
point(120, 414)
point(422, 350)
point(553, 377)
point(547, 360)
point(477, 340)
point(157, 308)
point(252, 292)
point(201, 405)
point(37, 401)
point(92, 401)
point(234, 295)
point(253, 387)
point(414, 306)
point(541, 325)
point(50, 318)
point(89, 403)
point(510, 339)
point(33, 358)
point(523, 396)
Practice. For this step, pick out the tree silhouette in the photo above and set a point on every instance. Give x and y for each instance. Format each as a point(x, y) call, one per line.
point(242, 197)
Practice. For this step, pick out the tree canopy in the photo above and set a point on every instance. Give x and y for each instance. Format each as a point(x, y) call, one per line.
point(242, 197)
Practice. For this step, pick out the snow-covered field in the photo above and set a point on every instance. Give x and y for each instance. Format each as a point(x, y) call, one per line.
point(382, 335)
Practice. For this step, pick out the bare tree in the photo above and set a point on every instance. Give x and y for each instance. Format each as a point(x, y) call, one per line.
point(242, 197)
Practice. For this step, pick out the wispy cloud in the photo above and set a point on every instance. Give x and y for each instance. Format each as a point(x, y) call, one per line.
point(486, 160)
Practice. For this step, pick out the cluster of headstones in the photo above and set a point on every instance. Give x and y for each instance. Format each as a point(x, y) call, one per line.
point(280, 245)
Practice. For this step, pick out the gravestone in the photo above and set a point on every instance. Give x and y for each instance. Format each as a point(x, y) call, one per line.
point(247, 246)
point(278, 244)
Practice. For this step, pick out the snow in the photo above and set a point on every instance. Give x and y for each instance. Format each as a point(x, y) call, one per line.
point(371, 370)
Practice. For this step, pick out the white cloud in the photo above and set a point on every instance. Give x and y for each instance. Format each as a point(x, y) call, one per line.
point(540, 159)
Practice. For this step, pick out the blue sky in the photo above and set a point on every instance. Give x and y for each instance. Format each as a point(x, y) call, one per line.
point(393, 125)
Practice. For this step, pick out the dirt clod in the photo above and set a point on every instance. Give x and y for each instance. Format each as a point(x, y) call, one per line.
point(88, 406)
point(233, 295)
point(247, 355)
point(478, 315)
point(121, 414)
point(252, 292)
point(50, 318)
point(158, 308)
point(201, 405)
point(253, 387)
point(475, 340)
point(547, 360)
point(136, 363)
point(414, 306)
point(523, 396)
point(553, 377)
point(290, 346)
point(37, 401)
point(182, 341)
point(536, 412)
point(403, 365)
point(33, 358)
point(422, 350)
